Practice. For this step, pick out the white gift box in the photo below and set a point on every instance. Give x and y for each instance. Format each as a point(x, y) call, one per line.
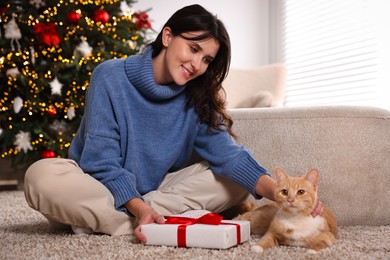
point(222, 236)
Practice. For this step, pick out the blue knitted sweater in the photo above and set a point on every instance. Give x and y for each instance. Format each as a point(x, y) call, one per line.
point(134, 131)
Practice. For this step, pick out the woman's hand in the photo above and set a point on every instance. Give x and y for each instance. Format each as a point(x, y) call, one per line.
point(145, 215)
point(318, 209)
point(149, 216)
point(266, 186)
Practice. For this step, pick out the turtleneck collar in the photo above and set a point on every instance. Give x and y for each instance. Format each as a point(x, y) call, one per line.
point(139, 71)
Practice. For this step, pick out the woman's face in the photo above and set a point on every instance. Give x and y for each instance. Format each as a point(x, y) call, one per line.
point(187, 59)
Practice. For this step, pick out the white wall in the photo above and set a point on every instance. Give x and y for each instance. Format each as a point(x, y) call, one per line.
point(247, 22)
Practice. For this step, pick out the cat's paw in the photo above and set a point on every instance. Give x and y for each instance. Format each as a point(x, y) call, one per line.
point(312, 251)
point(257, 249)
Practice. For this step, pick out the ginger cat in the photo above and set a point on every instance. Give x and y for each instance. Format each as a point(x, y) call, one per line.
point(289, 221)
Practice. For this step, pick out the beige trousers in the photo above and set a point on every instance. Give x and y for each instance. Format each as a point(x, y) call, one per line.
point(63, 193)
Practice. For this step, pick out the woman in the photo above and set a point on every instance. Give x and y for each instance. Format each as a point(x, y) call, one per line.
point(144, 116)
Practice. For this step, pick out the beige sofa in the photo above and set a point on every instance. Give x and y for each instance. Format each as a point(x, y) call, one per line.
point(349, 145)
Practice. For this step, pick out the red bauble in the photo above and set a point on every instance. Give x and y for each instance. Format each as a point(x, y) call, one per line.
point(52, 111)
point(73, 17)
point(48, 154)
point(101, 16)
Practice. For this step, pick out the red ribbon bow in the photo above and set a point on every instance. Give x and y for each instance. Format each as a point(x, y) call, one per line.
point(47, 34)
point(209, 219)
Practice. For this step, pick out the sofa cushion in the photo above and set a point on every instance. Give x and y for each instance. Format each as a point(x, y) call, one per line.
point(256, 87)
point(261, 98)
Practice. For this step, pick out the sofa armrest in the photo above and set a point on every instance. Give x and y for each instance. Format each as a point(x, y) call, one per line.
point(349, 145)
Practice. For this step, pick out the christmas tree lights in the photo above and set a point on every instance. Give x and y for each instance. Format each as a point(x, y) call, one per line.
point(48, 50)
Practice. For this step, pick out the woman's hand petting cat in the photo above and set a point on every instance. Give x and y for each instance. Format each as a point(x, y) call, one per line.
point(318, 209)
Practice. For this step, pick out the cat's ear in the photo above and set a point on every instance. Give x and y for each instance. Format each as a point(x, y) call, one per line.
point(313, 177)
point(280, 174)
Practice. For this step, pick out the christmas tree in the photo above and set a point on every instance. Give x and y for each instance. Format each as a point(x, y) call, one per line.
point(48, 50)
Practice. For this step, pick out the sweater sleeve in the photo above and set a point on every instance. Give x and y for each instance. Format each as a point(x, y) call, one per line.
point(229, 159)
point(97, 146)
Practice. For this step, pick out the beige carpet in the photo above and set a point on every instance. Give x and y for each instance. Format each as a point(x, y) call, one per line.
point(25, 234)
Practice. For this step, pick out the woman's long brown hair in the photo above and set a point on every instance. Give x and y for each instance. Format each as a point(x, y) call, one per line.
point(205, 92)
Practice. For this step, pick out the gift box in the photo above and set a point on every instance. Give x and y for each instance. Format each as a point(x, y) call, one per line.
point(191, 230)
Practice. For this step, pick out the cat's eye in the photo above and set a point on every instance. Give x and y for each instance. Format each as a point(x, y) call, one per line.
point(284, 192)
point(301, 192)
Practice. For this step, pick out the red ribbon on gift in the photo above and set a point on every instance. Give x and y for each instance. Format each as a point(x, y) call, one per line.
point(208, 219)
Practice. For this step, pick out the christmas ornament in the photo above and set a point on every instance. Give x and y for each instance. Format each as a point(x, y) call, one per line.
point(73, 17)
point(14, 72)
point(52, 111)
point(59, 126)
point(71, 113)
point(56, 87)
point(32, 55)
point(18, 104)
point(3, 10)
point(37, 3)
point(101, 16)
point(23, 141)
point(47, 34)
point(131, 44)
point(84, 48)
point(142, 21)
point(12, 32)
point(48, 154)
